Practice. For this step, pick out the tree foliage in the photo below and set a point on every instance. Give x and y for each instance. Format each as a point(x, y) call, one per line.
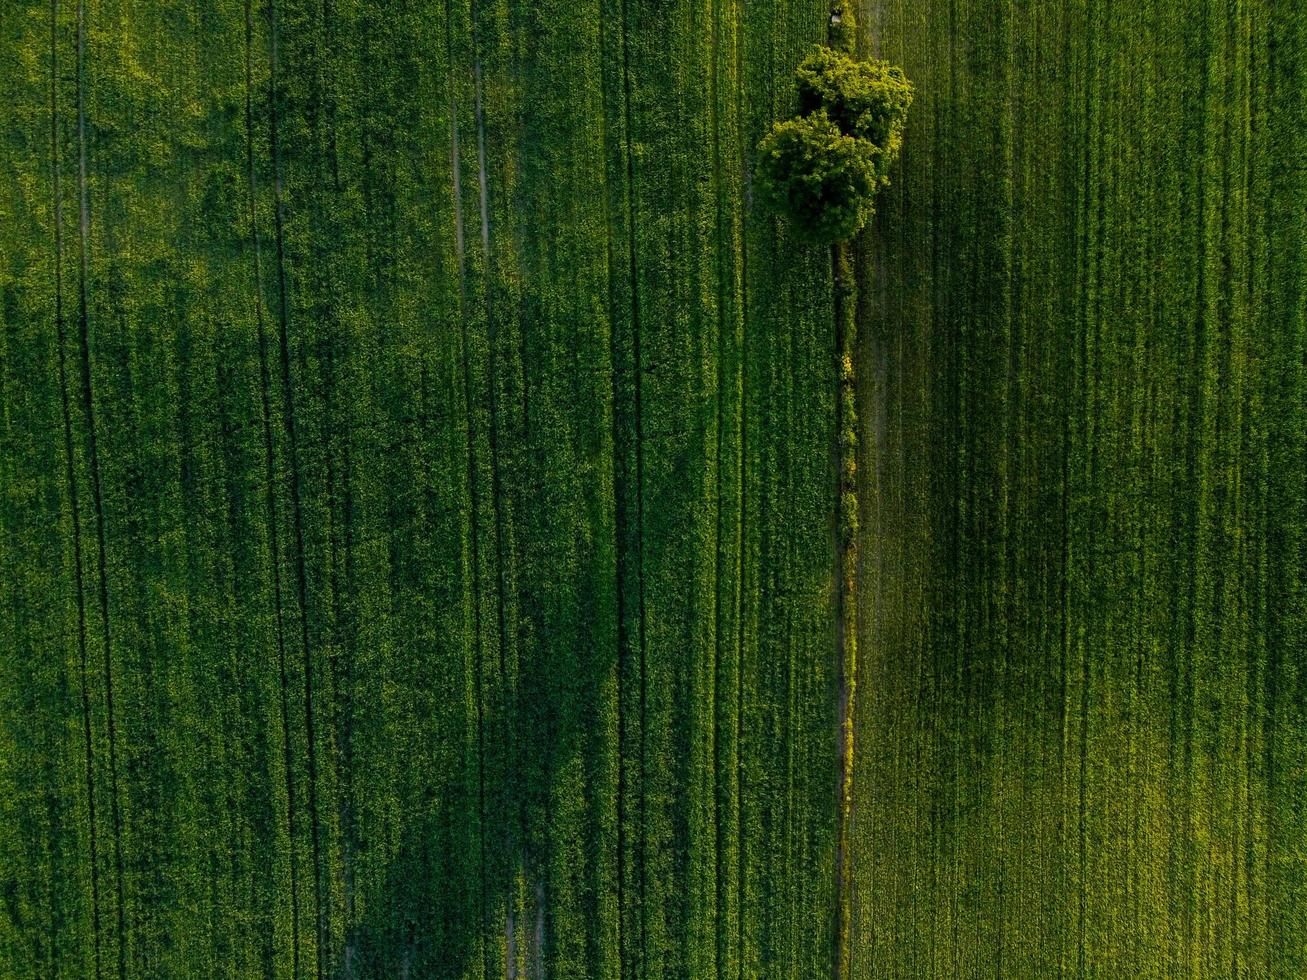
point(823, 167)
point(822, 179)
point(868, 100)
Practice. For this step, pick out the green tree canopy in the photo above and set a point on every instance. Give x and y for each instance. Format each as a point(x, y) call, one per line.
point(821, 178)
point(823, 167)
point(866, 99)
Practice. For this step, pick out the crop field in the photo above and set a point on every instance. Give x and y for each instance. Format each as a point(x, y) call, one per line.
point(1083, 707)
point(418, 495)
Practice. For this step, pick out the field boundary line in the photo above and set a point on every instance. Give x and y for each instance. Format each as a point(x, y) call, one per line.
point(71, 476)
point(297, 516)
point(270, 502)
point(97, 498)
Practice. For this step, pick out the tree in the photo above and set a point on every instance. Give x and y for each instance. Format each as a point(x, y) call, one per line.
point(822, 168)
point(868, 100)
point(820, 178)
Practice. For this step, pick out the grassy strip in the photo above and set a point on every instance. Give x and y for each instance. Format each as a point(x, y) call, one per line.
point(847, 552)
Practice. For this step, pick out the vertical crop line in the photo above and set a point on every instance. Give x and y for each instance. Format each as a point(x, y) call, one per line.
point(270, 474)
point(341, 666)
point(714, 76)
point(497, 506)
point(1087, 271)
point(619, 527)
point(636, 374)
point(845, 298)
point(619, 531)
point(955, 413)
point(1068, 376)
point(742, 484)
point(1197, 475)
point(88, 405)
point(297, 517)
point(1009, 297)
point(473, 494)
point(70, 473)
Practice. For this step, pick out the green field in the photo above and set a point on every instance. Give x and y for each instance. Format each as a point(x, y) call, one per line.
point(418, 477)
point(1083, 708)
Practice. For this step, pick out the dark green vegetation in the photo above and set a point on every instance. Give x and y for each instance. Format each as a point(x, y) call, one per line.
point(821, 179)
point(867, 98)
point(822, 167)
point(408, 565)
point(821, 170)
point(1082, 703)
point(417, 537)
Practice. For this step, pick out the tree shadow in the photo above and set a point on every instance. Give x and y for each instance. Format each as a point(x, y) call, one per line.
point(473, 859)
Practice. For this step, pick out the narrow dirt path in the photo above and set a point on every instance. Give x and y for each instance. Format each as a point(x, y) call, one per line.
point(841, 35)
point(846, 570)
